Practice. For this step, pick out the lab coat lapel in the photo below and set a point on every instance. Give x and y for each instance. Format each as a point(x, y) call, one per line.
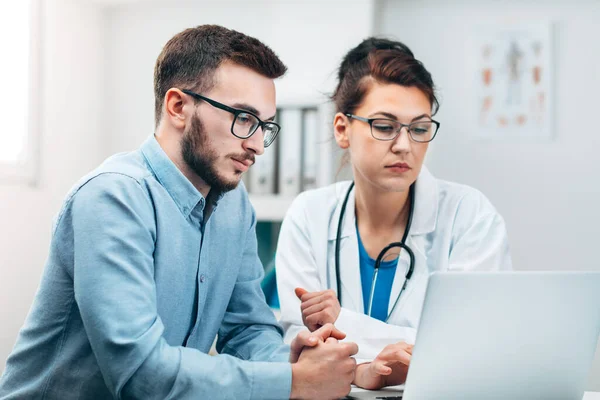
point(350, 274)
point(349, 257)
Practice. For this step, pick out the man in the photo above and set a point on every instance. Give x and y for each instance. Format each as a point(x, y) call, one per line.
point(154, 254)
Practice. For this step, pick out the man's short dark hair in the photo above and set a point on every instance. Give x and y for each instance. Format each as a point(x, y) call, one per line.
point(191, 58)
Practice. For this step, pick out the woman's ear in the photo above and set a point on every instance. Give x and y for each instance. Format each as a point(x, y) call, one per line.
point(341, 128)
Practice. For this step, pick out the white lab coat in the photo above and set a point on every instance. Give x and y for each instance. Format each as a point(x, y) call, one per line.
point(454, 227)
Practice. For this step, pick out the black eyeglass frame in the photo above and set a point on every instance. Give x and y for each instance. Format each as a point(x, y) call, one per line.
point(371, 120)
point(236, 112)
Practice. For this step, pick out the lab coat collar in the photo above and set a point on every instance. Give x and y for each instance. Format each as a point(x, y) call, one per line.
point(427, 197)
point(425, 213)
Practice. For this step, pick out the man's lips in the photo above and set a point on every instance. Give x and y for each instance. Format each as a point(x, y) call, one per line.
point(246, 161)
point(242, 164)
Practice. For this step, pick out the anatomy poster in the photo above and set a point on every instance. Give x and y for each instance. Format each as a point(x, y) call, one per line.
point(513, 81)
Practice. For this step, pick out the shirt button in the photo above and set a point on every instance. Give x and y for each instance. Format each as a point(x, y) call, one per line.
point(202, 278)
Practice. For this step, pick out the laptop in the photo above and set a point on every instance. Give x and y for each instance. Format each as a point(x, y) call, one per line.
point(503, 335)
point(387, 393)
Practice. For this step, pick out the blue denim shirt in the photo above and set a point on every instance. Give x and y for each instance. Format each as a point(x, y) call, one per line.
point(137, 286)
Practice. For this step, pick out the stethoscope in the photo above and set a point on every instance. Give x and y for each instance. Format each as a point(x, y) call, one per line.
point(400, 244)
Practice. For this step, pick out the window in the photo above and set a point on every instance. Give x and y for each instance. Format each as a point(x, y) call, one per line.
point(19, 81)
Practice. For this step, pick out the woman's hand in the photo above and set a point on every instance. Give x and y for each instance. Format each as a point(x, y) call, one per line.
point(318, 308)
point(388, 369)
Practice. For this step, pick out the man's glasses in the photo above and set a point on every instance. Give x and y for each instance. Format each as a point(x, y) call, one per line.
point(389, 129)
point(245, 123)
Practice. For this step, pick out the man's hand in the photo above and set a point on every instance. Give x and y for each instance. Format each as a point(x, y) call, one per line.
point(388, 369)
point(318, 308)
point(308, 339)
point(325, 371)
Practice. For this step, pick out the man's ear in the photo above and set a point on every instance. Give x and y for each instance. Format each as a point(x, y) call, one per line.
point(341, 128)
point(175, 105)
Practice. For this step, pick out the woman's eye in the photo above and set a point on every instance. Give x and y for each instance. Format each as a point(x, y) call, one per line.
point(421, 129)
point(384, 127)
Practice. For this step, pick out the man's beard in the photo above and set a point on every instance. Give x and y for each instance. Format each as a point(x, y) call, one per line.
point(201, 158)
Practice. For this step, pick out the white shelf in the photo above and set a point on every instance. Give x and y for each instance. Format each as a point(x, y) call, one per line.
point(108, 3)
point(270, 207)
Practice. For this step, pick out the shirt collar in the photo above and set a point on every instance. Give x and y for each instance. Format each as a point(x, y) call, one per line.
point(425, 211)
point(181, 190)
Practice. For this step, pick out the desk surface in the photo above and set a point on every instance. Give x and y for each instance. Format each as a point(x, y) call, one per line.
point(586, 396)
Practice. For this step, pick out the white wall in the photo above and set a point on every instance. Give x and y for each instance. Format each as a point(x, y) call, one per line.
point(98, 99)
point(310, 37)
point(548, 192)
point(72, 143)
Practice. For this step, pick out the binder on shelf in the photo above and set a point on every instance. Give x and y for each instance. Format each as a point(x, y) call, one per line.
point(262, 173)
point(311, 139)
point(326, 144)
point(290, 146)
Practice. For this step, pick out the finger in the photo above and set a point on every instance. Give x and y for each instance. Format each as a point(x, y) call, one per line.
point(306, 339)
point(310, 295)
point(300, 292)
point(353, 374)
point(311, 302)
point(403, 346)
point(336, 333)
point(328, 330)
point(331, 340)
point(300, 341)
point(350, 347)
point(313, 309)
point(403, 357)
point(313, 322)
point(320, 318)
point(395, 355)
point(351, 365)
point(380, 368)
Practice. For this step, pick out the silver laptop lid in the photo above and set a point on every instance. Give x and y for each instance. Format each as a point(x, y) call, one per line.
point(506, 335)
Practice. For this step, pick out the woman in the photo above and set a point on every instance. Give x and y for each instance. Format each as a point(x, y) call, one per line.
point(335, 241)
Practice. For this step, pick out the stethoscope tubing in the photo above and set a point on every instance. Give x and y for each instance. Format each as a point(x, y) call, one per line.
point(401, 244)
